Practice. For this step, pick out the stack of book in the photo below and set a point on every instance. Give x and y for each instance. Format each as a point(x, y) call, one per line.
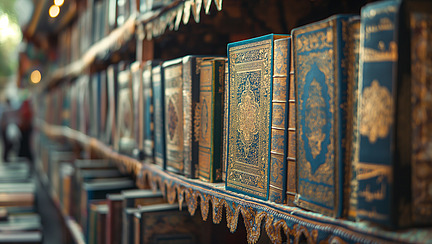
point(19, 220)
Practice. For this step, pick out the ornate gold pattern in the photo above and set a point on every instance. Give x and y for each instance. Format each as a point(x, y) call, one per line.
point(315, 118)
point(376, 112)
point(381, 55)
point(248, 108)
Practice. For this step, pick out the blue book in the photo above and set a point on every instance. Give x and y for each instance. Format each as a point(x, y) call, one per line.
point(395, 133)
point(320, 73)
point(250, 90)
point(159, 116)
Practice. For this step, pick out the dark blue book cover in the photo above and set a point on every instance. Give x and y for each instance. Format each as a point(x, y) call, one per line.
point(320, 73)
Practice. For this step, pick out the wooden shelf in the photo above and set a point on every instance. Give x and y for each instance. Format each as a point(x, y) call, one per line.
point(297, 224)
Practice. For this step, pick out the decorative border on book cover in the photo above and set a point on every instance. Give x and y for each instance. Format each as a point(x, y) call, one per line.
point(249, 113)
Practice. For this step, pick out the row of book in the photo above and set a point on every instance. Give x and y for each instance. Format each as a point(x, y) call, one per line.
point(20, 221)
point(95, 20)
point(332, 118)
point(110, 209)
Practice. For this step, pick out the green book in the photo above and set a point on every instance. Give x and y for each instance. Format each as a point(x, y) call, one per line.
point(250, 115)
point(210, 108)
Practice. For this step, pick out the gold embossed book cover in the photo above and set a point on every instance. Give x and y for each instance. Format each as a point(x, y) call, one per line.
point(249, 115)
point(320, 73)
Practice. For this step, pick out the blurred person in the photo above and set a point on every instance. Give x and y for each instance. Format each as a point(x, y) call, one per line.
point(8, 117)
point(25, 124)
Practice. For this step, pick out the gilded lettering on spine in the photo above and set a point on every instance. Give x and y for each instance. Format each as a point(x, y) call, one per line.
point(421, 105)
point(249, 117)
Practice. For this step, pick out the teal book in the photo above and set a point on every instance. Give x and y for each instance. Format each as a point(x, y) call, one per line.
point(210, 108)
point(352, 135)
point(279, 128)
point(250, 90)
point(225, 122)
point(173, 80)
point(394, 125)
point(159, 116)
point(147, 119)
point(320, 73)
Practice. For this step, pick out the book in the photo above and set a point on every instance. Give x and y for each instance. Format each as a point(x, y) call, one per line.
point(320, 70)
point(97, 222)
point(393, 167)
point(173, 80)
point(97, 190)
point(352, 116)
point(114, 218)
point(191, 131)
point(133, 199)
point(147, 136)
point(291, 185)
point(279, 127)
point(225, 122)
point(159, 116)
point(210, 122)
point(137, 78)
point(125, 117)
point(249, 115)
point(420, 19)
point(112, 96)
point(165, 223)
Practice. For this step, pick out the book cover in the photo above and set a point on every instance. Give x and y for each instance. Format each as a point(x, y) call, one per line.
point(394, 138)
point(291, 185)
point(159, 116)
point(148, 110)
point(103, 108)
point(249, 115)
point(98, 210)
point(279, 132)
point(173, 79)
point(125, 116)
point(320, 73)
point(165, 223)
point(352, 136)
point(95, 93)
point(210, 122)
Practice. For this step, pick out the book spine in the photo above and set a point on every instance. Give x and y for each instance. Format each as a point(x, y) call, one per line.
point(211, 89)
point(191, 86)
point(174, 117)
point(159, 116)
point(225, 123)
point(320, 72)
point(352, 117)
point(421, 89)
point(137, 76)
point(291, 177)
point(278, 153)
point(148, 123)
point(378, 59)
